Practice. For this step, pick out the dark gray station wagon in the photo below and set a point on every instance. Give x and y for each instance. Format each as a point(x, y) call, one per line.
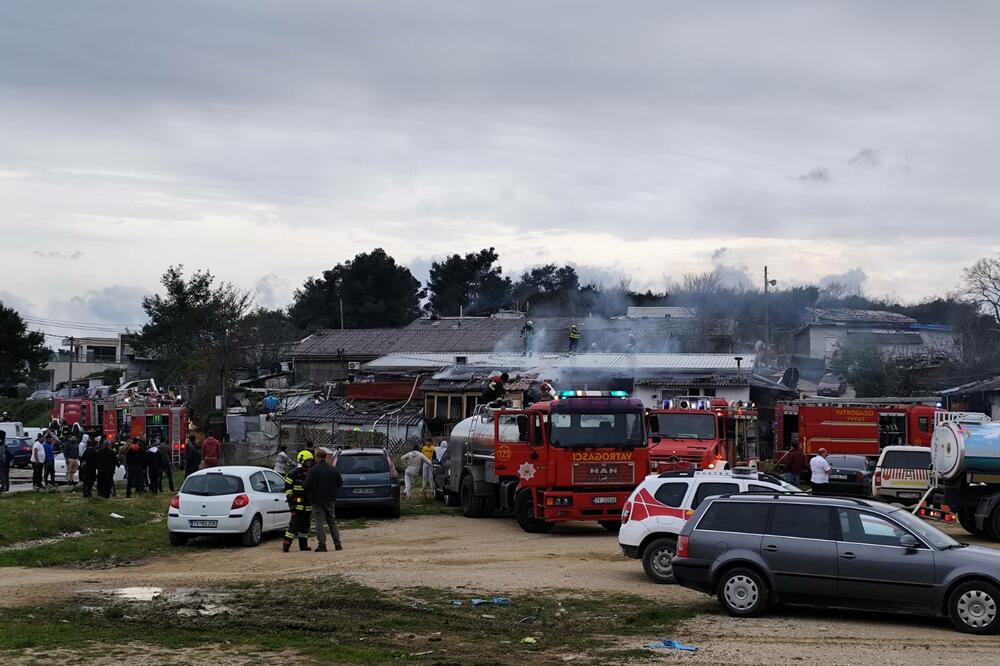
point(752, 550)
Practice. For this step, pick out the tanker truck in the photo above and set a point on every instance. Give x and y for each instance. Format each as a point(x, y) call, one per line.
point(965, 473)
point(575, 458)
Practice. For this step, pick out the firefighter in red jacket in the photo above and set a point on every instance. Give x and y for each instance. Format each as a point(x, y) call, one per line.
point(298, 503)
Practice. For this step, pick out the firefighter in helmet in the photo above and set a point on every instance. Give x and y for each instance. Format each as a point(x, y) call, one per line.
point(298, 503)
point(574, 337)
point(495, 389)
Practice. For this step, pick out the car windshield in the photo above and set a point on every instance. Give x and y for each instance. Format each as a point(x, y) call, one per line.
point(929, 533)
point(849, 462)
point(210, 485)
point(907, 459)
point(374, 463)
point(687, 426)
point(623, 429)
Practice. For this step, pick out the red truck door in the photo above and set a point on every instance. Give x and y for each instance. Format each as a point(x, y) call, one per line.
point(519, 445)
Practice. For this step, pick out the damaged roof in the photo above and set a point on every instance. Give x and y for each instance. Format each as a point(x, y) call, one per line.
point(356, 412)
point(855, 316)
point(636, 363)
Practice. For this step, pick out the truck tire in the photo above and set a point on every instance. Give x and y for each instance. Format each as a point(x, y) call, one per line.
point(489, 506)
point(472, 506)
point(992, 524)
point(524, 511)
point(612, 526)
point(450, 499)
point(967, 519)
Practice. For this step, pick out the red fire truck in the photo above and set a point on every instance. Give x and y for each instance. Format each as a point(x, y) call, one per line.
point(854, 426)
point(145, 416)
point(575, 458)
point(697, 433)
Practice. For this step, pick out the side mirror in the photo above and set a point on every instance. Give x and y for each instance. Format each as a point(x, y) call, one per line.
point(909, 541)
point(656, 439)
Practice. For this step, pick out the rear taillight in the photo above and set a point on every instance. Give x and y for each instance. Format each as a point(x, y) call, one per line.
point(175, 502)
point(626, 512)
point(860, 476)
point(878, 478)
point(682, 546)
point(240, 501)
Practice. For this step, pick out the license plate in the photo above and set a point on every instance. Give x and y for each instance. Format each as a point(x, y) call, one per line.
point(364, 491)
point(839, 477)
point(605, 500)
point(908, 495)
point(204, 523)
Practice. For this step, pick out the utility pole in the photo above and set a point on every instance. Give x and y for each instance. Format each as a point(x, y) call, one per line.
point(341, 314)
point(225, 369)
point(767, 325)
point(72, 353)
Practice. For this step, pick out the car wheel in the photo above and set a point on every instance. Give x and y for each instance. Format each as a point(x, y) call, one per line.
point(967, 519)
point(657, 560)
point(742, 592)
point(177, 539)
point(524, 511)
point(612, 526)
point(472, 506)
point(973, 608)
point(254, 534)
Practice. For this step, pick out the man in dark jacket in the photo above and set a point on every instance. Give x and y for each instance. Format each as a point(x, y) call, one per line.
point(192, 457)
point(135, 466)
point(6, 460)
point(88, 468)
point(107, 463)
point(321, 488)
point(154, 467)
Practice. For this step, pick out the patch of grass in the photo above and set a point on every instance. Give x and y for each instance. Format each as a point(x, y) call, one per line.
point(420, 506)
point(334, 620)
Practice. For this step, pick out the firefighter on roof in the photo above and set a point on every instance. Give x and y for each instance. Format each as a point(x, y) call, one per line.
point(298, 503)
point(527, 333)
point(574, 337)
point(495, 390)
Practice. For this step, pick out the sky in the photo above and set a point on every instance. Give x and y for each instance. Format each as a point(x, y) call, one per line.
point(268, 141)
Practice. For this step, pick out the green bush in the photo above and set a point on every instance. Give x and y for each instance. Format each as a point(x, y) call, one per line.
point(32, 413)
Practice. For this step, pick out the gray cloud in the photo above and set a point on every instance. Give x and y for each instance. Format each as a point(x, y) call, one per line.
point(430, 128)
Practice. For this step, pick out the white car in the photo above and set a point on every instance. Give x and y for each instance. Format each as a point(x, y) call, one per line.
point(60, 465)
point(902, 474)
point(656, 511)
point(244, 500)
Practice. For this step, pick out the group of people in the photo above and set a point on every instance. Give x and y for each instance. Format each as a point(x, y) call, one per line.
point(311, 492)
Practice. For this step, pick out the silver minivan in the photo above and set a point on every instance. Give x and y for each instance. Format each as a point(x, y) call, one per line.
point(754, 550)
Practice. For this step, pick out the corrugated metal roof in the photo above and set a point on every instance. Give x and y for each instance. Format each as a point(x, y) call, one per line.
point(852, 315)
point(990, 385)
point(355, 412)
point(502, 334)
point(636, 363)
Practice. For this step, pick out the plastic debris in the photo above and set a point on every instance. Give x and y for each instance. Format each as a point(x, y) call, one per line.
point(117, 516)
point(496, 601)
point(529, 640)
point(488, 617)
point(668, 644)
point(421, 654)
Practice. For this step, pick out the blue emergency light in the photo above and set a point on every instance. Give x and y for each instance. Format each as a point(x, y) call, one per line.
point(593, 394)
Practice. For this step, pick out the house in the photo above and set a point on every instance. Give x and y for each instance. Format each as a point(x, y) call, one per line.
point(83, 357)
point(824, 331)
point(979, 396)
point(334, 355)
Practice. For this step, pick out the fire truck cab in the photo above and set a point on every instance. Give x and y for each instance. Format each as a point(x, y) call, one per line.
point(575, 458)
point(701, 433)
point(854, 426)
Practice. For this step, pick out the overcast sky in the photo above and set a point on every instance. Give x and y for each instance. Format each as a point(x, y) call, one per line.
point(268, 141)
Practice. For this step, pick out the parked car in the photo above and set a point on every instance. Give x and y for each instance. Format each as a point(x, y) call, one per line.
point(754, 550)
point(42, 394)
point(902, 473)
point(249, 501)
point(19, 449)
point(850, 475)
point(656, 511)
point(60, 468)
point(370, 480)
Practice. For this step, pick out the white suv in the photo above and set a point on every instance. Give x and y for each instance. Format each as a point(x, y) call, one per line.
point(902, 473)
point(656, 511)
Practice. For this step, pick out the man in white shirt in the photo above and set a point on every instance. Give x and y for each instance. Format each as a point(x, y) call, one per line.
point(819, 470)
point(37, 462)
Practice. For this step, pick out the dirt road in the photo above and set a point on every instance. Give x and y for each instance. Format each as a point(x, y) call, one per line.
point(483, 556)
